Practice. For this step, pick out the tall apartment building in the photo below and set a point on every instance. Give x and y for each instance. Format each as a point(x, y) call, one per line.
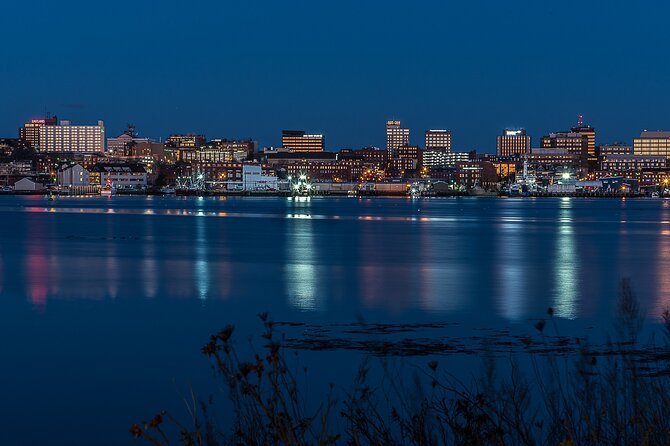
point(396, 136)
point(30, 131)
point(66, 137)
point(513, 142)
point(438, 139)
point(300, 141)
point(652, 143)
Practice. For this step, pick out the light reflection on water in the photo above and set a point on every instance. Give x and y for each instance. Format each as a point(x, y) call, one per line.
point(511, 261)
point(301, 268)
point(510, 257)
point(201, 262)
point(566, 264)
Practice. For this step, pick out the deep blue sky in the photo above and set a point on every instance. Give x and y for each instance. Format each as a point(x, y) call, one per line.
point(251, 68)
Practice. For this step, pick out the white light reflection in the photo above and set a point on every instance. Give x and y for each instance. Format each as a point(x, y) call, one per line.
point(149, 264)
point(662, 265)
point(300, 266)
point(512, 257)
point(565, 295)
point(441, 272)
point(201, 264)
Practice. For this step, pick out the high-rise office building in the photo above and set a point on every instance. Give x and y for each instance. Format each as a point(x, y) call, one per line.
point(396, 136)
point(590, 133)
point(66, 137)
point(438, 139)
point(513, 142)
point(572, 143)
point(652, 143)
point(30, 132)
point(300, 141)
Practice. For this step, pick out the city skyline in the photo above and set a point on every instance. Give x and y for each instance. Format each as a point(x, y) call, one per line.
point(253, 69)
point(416, 137)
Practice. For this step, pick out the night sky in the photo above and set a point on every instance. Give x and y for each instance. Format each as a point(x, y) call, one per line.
point(252, 68)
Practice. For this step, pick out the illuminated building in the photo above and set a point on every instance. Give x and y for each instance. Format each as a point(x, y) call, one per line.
point(615, 149)
point(590, 134)
point(505, 169)
point(621, 163)
point(400, 167)
point(221, 151)
point(283, 158)
point(185, 141)
point(222, 171)
point(476, 173)
point(652, 143)
point(513, 142)
point(551, 158)
point(368, 155)
point(440, 158)
point(299, 141)
point(118, 175)
point(413, 153)
point(30, 132)
point(123, 144)
point(73, 175)
point(65, 137)
point(572, 143)
point(438, 139)
point(327, 171)
point(396, 136)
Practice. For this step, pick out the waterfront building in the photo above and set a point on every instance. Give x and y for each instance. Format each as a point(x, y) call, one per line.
point(73, 175)
point(28, 185)
point(221, 151)
point(438, 139)
point(396, 136)
point(654, 177)
point(300, 141)
point(652, 143)
point(513, 142)
point(254, 180)
point(283, 158)
point(334, 171)
point(66, 137)
point(223, 171)
point(30, 131)
point(121, 176)
point(476, 173)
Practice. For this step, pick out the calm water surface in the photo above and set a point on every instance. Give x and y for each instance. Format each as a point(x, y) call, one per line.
point(105, 302)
